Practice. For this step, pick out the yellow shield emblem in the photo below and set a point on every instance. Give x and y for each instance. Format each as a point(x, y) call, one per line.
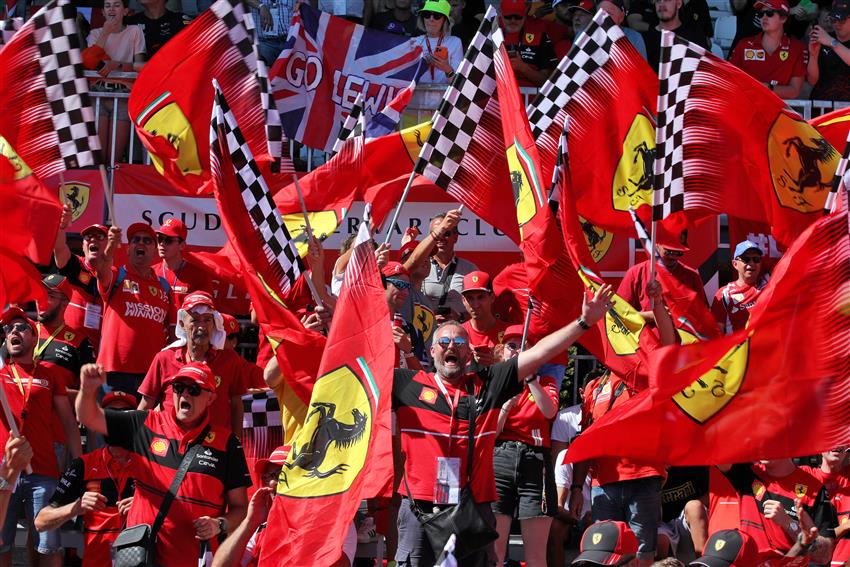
point(329, 451)
point(210, 437)
point(802, 164)
point(800, 490)
point(634, 176)
point(719, 544)
point(529, 38)
point(77, 195)
point(423, 321)
point(323, 223)
point(783, 55)
point(414, 138)
point(712, 391)
point(597, 538)
point(169, 122)
point(7, 151)
point(527, 192)
point(68, 336)
point(623, 324)
point(598, 239)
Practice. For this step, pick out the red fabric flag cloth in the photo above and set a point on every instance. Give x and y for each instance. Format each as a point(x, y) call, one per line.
point(779, 388)
point(611, 105)
point(344, 451)
point(20, 282)
point(834, 126)
point(735, 147)
point(172, 97)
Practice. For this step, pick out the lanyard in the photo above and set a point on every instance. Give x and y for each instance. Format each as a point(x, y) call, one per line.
point(24, 395)
point(428, 47)
point(452, 406)
point(165, 272)
point(39, 349)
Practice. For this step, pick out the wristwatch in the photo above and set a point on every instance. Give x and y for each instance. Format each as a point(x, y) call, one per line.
point(4, 485)
point(583, 324)
point(834, 42)
point(222, 528)
point(772, 84)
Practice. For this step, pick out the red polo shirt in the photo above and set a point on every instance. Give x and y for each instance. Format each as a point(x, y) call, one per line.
point(525, 422)
point(232, 377)
point(158, 444)
point(489, 338)
point(30, 391)
point(786, 62)
point(85, 305)
point(188, 278)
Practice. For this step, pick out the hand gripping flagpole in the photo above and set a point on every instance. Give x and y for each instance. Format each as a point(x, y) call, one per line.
point(526, 324)
point(10, 418)
point(309, 230)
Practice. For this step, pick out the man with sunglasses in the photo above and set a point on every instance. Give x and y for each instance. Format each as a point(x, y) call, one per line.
point(183, 276)
point(444, 283)
point(213, 494)
point(828, 70)
point(732, 302)
point(36, 396)
point(85, 307)
point(529, 46)
point(773, 57)
point(136, 304)
point(432, 421)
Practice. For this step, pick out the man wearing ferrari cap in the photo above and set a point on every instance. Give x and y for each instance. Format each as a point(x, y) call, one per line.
point(213, 495)
point(136, 304)
point(200, 338)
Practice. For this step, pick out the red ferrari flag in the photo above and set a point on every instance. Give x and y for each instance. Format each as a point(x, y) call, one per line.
point(834, 126)
point(267, 256)
point(344, 446)
point(726, 144)
point(609, 93)
point(20, 282)
point(171, 99)
point(778, 388)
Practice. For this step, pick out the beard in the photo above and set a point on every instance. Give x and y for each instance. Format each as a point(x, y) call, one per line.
point(450, 374)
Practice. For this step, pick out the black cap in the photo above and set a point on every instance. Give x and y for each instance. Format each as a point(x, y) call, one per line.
point(728, 548)
point(607, 543)
point(840, 9)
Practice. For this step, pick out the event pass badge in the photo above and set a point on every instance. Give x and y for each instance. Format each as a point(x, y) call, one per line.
point(447, 489)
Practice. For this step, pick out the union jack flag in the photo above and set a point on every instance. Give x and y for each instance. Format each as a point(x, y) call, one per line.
point(314, 82)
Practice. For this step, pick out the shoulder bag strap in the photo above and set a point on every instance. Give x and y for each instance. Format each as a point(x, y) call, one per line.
point(447, 281)
point(169, 497)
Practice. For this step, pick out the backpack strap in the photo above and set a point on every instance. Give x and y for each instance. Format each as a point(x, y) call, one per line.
point(116, 285)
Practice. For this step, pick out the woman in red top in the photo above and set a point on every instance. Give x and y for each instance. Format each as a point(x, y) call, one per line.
point(522, 462)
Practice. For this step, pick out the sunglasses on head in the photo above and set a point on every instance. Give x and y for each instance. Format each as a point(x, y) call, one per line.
point(192, 389)
point(768, 13)
point(513, 17)
point(94, 236)
point(162, 239)
point(432, 16)
point(445, 342)
point(399, 284)
point(750, 259)
point(141, 239)
point(19, 327)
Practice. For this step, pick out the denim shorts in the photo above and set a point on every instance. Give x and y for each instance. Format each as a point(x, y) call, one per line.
point(32, 493)
point(525, 481)
point(636, 502)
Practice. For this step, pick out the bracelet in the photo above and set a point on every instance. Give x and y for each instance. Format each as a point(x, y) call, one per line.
point(434, 236)
point(583, 324)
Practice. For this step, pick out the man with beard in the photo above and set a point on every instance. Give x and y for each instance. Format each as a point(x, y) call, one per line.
point(432, 419)
point(444, 283)
point(200, 338)
point(85, 306)
point(36, 393)
point(669, 20)
point(136, 304)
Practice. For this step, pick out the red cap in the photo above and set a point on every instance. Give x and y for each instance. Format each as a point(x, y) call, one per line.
point(607, 543)
point(196, 372)
point(13, 313)
point(512, 331)
point(729, 548)
point(392, 269)
point(95, 228)
point(140, 227)
point(231, 325)
point(477, 281)
point(671, 240)
point(197, 298)
point(58, 282)
point(514, 8)
point(173, 227)
point(278, 457)
point(118, 398)
point(779, 5)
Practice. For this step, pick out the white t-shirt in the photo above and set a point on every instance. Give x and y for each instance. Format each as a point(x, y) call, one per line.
point(121, 46)
point(564, 478)
point(454, 49)
point(567, 424)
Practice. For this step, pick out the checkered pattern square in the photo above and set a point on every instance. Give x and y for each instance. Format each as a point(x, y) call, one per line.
point(457, 118)
point(260, 410)
point(678, 63)
point(590, 52)
point(66, 93)
point(841, 175)
point(353, 124)
point(278, 246)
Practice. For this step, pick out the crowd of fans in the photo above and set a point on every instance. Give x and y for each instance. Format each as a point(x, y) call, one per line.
point(139, 359)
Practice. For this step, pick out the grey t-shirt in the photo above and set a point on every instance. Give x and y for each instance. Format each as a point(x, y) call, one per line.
point(436, 285)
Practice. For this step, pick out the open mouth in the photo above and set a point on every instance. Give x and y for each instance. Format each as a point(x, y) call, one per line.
point(451, 359)
point(185, 405)
point(140, 252)
point(15, 341)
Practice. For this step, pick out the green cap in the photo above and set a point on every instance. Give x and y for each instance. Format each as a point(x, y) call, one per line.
point(438, 6)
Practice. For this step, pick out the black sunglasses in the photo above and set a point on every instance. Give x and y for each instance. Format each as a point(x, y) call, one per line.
point(750, 259)
point(94, 236)
point(19, 327)
point(141, 239)
point(513, 17)
point(513, 346)
point(162, 239)
point(768, 13)
point(192, 389)
point(400, 284)
point(432, 16)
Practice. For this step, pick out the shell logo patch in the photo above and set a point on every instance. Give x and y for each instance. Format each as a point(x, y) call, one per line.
point(159, 447)
point(428, 395)
point(85, 278)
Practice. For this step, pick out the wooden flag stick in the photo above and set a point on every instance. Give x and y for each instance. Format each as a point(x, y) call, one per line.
point(308, 229)
point(107, 192)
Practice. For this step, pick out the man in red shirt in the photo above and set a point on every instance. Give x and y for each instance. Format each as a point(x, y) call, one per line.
point(773, 57)
point(35, 393)
point(85, 307)
point(484, 330)
point(183, 276)
point(432, 419)
point(834, 473)
point(200, 334)
point(732, 302)
point(98, 486)
point(136, 304)
point(212, 496)
point(529, 46)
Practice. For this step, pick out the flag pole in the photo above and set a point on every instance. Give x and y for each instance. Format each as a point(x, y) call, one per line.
point(62, 198)
point(107, 192)
point(653, 259)
point(308, 229)
point(10, 418)
point(397, 211)
point(526, 325)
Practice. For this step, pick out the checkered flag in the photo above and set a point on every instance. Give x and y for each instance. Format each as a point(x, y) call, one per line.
point(353, 127)
point(643, 234)
point(278, 246)
point(588, 54)
point(677, 65)
point(841, 176)
point(45, 96)
point(456, 120)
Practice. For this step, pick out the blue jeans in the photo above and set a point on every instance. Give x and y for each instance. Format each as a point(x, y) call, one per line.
point(636, 502)
point(270, 48)
point(32, 493)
